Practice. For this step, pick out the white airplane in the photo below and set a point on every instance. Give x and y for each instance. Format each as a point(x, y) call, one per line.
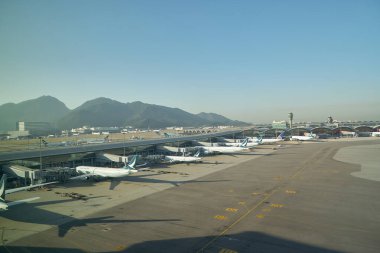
point(310, 137)
point(104, 172)
point(269, 141)
point(186, 159)
point(3, 204)
point(244, 143)
point(348, 134)
point(171, 135)
point(375, 134)
point(223, 150)
point(94, 141)
point(54, 144)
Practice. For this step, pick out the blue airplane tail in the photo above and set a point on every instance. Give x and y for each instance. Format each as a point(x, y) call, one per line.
point(281, 136)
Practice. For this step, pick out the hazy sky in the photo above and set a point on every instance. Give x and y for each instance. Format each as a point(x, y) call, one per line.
point(248, 60)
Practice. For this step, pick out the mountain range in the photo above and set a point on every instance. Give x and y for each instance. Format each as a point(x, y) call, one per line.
point(103, 112)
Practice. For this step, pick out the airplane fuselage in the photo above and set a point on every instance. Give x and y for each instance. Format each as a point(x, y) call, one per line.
point(269, 141)
point(104, 172)
point(302, 138)
point(236, 144)
point(3, 205)
point(182, 158)
point(265, 141)
point(224, 150)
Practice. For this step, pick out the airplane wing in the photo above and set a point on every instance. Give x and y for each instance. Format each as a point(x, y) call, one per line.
point(114, 183)
point(81, 176)
point(169, 159)
point(141, 165)
point(17, 202)
point(86, 176)
point(27, 187)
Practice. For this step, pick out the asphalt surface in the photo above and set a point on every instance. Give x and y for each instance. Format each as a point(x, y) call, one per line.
point(297, 199)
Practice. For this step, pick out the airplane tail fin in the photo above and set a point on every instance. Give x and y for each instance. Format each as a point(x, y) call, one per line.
point(260, 140)
point(244, 143)
point(198, 153)
point(2, 186)
point(45, 142)
point(281, 136)
point(131, 164)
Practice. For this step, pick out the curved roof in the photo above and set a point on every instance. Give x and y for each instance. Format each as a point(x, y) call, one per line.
point(322, 129)
point(344, 128)
point(364, 128)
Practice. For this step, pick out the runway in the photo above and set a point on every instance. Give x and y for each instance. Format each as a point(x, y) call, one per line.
point(294, 199)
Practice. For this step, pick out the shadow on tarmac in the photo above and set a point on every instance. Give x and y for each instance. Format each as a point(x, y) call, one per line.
point(114, 182)
point(245, 242)
point(64, 222)
point(142, 179)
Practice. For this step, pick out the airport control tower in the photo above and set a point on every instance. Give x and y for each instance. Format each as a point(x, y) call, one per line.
point(291, 119)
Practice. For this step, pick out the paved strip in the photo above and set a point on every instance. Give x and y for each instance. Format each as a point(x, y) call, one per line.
point(296, 200)
point(367, 156)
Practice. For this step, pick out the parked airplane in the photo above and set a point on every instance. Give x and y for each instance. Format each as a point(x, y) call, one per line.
point(54, 144)
point(104, 172)
point(348, 134)
point(3, 191)
point(186, 159)
point(269, 141)
point(310, 137)
point(244, 143)
point(93, 141)
point(171, 135)
point(223, 150)
point(375, 134)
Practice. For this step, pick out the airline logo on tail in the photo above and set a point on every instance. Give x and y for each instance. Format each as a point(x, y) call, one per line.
point(2, 187)
point(198, 153)
point(131, 164)
point(281, 136)
point(244, 143)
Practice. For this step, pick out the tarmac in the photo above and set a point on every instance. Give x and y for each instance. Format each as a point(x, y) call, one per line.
point(299, 197)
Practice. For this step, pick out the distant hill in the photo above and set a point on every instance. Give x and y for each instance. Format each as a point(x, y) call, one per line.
point(104, 112)
point(108, 112)
point(45, 109)
point(220, 120)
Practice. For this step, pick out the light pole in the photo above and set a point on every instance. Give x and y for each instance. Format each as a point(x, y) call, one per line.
point(40, 152)
point(124, 143)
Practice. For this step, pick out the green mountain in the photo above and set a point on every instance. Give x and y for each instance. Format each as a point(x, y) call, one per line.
point(107, 112)
point(217, 119)
point(104, 112)
point(42, 109)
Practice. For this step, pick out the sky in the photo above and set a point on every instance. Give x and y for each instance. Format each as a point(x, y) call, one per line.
point(254, 61)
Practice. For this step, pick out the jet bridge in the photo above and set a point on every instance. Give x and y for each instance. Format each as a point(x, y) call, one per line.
point(28, 174)
point(36, 176)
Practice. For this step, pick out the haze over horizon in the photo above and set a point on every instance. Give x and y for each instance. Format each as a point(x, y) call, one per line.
point(253, 61)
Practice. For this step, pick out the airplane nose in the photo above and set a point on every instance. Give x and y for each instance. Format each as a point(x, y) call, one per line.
point(3, 206)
